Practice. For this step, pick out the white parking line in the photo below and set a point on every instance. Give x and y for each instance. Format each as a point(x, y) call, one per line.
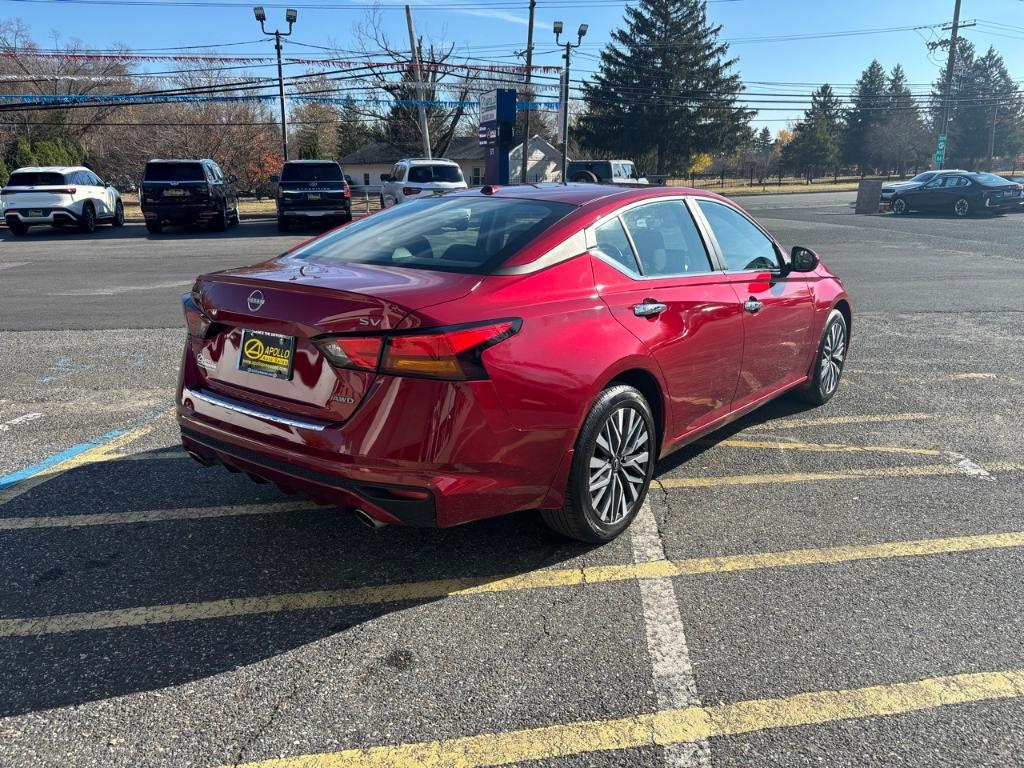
point(12, 264)
point(5, 426)
point(674, 684)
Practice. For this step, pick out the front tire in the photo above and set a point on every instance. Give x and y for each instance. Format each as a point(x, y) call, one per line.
point(828, 364)
point(118, 220)
point(899, 206)
point(18, 228)
point(962, 207)
point(220, 221)
point(612, 468)
point(87, 224)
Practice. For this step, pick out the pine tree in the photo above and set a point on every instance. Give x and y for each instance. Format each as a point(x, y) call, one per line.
point(900, 139)
point(21, 154)
point(870, 98)
point(815, 147)
point(665, 91)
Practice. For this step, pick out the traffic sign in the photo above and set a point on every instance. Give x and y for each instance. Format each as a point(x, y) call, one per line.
point(940, 150)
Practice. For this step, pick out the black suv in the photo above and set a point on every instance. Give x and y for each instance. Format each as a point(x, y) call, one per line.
point(312, 190)
point(187, 192)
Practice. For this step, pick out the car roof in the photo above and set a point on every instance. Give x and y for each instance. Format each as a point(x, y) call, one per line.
point(582, 194)
point(50, 169)
point(182, 160)
point(311, 162)
point(428, 161)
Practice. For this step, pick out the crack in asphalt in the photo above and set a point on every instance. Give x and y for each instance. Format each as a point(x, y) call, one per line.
point(257, 734)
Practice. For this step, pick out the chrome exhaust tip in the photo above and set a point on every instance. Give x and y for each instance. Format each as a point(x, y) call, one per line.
point(363, 517)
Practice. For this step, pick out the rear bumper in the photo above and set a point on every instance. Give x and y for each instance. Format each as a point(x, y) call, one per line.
point(49, 215)
point(191, 213)
point(416, 452)
point(1004, 205)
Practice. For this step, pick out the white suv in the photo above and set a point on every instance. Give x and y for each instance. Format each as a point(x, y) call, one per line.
point(59, 196)
point(420, 177)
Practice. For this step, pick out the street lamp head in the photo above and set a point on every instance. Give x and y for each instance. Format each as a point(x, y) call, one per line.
point(583, 31)
point(558, 27)
point(260, 14)
point(291, 15)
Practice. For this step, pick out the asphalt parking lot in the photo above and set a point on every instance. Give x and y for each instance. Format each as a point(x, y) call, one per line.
point(813, 587)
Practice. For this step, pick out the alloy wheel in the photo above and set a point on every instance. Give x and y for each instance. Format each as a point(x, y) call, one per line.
point(899, 206)
point(832, 353)
point(961, 207)
point(618, 468)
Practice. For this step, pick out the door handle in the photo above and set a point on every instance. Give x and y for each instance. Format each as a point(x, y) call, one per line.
point(753, 306)
point(649, 309)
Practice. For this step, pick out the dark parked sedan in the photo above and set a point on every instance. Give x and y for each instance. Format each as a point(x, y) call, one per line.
point(961, 193)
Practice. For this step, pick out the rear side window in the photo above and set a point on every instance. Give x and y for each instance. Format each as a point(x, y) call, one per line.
point(311, 172)
point(36, 179)
point(427, 174)
point(456, 234)
point(612, 242)
point(174, 172)
point(744, 246)
point(667, 241)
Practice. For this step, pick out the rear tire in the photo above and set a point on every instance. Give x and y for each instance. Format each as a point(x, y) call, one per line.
point(18, 228)
point(828, 362)
point(611, 470)
point(87, 223)
point(962, 207)
point(154, 227)
point(118, 220)
point(283, 225)
point(220, 221)
point(236, 217)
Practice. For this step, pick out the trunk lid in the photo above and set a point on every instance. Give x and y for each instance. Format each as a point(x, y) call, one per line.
point(312, 194)
point(175, 192)
point(304, 300)
point(37, 197)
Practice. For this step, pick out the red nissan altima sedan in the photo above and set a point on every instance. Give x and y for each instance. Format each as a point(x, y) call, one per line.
point(495, 350)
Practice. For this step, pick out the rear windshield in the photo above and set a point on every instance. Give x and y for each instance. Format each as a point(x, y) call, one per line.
point(35, 179)
point(990, 180)
point(455, 234)
point(425, 174)
point(311, 172)
point(175, 172)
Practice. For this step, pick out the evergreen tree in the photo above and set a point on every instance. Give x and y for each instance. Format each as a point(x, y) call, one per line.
point(815, 145)
point(21, 155)
point(665, 89)
point(4, 173)
point(900, 139)
point(870, 98)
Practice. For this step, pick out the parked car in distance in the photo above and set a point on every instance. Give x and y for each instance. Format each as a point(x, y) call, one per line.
point(962, 193)
point(312, 190)
point(61, 196)
point(1018, 180)
point(420, 177)
point(890, 190)
point(603, 172)
point(187, 192)
point(497, 350)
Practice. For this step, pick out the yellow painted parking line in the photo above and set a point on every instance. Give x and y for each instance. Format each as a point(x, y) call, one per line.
point(104, 452)
point(478, 585)
point(782, 445)
point(149, 516)
point(881, 418)
point(674, 726)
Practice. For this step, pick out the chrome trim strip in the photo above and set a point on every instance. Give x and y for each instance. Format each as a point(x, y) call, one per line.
point(214, 400)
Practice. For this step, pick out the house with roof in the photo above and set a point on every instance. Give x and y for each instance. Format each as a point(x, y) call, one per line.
point(368, 163)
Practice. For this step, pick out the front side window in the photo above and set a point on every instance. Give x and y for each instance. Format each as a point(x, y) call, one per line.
point(667, 241)
point(613, 244)
point(471, 235)
point(744, 247)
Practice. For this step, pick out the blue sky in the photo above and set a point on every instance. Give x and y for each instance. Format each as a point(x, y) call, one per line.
point(494, 30)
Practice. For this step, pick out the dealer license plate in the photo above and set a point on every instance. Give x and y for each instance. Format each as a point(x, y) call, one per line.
point(267, 354)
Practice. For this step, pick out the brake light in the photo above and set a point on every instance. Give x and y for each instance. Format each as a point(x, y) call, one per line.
point(454, 353)
point(66, 191)
point(407, 191)
point(348, 190)
point(197, 323)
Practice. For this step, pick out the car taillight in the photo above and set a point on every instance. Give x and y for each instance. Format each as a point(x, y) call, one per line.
point(410, 191)
point(348, 191)
point(198, 324)
point(280, 192)
point(452, 353)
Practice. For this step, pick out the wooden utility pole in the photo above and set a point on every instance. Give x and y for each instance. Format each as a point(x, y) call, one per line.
point(950, 66)
point(992, 135)
point(421, 109)
point(526, 118)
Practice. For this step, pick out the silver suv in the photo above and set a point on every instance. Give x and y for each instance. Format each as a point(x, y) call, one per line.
point(414, 178)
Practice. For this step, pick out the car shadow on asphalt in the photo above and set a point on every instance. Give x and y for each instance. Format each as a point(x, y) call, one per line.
point(54, 571)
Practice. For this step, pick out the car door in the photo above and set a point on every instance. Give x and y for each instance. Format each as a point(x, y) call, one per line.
point(90, 189)
point(778, 310)
point(102, 193)
point(657, 276)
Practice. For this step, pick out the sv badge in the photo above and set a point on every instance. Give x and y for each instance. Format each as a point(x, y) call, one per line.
point(373, 322)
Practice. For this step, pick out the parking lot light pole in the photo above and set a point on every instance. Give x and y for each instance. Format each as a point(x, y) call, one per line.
point(580, 34)
point(290, 15)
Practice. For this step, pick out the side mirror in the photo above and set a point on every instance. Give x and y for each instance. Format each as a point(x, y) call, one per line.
point(803, 259)
point(232, 179)
point(275, 179)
